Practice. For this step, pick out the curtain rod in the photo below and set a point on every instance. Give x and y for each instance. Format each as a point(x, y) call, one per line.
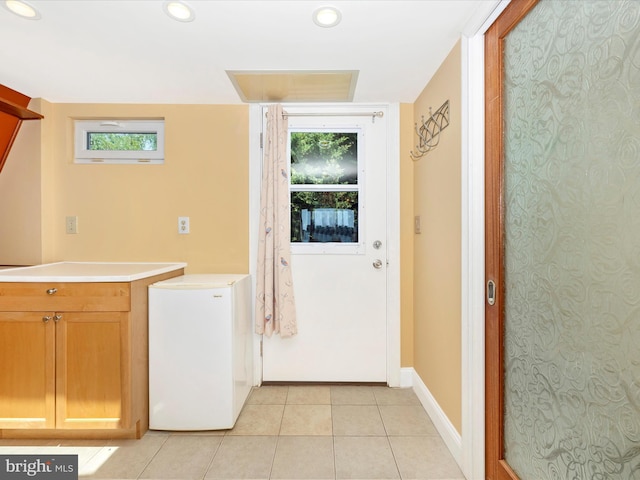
point(345, 114)
point(373, 115)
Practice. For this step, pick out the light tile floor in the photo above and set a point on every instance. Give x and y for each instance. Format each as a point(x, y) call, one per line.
point(283, 432)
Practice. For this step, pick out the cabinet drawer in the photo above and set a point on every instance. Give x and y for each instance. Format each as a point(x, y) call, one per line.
point(70, 297)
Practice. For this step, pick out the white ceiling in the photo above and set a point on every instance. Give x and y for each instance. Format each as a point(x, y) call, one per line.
point(132, 52)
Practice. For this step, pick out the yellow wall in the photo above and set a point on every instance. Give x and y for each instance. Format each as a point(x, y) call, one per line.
point(130, 212)
point(21, 194)
point(20, 234)
point(437, 250)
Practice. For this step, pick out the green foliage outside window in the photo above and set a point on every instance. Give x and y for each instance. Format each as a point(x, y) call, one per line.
point(122, 141)
point(324, 158)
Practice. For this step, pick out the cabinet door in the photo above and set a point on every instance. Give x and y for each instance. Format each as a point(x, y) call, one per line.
point(92, 370)
point(27, 373)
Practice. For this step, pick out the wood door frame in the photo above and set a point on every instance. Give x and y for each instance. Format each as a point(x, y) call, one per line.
point(495, 464)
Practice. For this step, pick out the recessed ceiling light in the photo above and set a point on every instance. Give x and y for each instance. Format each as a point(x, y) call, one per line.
point(22, 9)
point(327, 17)
point(179, 11)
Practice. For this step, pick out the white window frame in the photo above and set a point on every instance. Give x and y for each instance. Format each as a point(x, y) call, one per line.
point(329, 248)
point(84, 155)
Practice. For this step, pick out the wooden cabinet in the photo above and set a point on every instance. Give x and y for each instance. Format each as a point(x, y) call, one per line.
point(93, 371)
point(74, 359)
point(27, 375)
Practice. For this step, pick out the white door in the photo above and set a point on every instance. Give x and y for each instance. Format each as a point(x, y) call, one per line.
point(339, 254)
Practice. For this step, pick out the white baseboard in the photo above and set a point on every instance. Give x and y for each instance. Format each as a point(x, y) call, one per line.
point(445, 428)
point(406, 377)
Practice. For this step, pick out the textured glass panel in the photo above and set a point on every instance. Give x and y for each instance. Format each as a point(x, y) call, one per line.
point(329, 158)
point(572, 241)
point(324, 217)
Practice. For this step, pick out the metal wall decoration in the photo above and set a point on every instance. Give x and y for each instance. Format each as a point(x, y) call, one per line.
point(429, 132)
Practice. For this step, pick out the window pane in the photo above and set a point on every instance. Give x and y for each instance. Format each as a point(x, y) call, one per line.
point(328, 158)
point(324, 217)
point(122, 141)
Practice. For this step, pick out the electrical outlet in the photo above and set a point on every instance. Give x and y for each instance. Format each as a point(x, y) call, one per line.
point(183, 225)
point(71, 224)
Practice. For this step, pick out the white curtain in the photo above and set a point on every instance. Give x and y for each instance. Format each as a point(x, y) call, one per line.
point(275, 303)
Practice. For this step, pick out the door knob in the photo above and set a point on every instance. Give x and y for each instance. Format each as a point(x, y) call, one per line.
point(377, 264)
point(57, 317)
point(46, 318)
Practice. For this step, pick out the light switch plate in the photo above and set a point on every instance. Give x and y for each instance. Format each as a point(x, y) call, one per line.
point(417, 227)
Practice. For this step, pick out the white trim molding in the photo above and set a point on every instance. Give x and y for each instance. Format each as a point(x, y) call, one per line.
point(406, 377)
point(255, 172)
point(447, 431)
point(393, 246)
point(472, 460)
point(472, 312)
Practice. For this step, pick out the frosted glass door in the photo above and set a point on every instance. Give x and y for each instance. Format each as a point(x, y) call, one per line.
point(572, 241)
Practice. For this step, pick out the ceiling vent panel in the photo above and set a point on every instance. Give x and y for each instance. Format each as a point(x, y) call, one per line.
point(294, 86)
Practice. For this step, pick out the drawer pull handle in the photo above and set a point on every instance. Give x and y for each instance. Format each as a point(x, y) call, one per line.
point(52, 291)
point(46, 318)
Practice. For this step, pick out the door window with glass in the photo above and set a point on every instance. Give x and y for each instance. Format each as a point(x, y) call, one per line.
point(326, 183)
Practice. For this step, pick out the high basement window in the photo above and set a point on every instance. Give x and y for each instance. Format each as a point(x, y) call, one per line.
point(119, 141)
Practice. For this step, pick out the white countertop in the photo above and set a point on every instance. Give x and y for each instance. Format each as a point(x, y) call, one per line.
point(87, 272)
point(201, 280)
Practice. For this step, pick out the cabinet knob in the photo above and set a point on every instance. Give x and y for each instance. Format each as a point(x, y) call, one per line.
point(57, 317)
point(46, 318)
point(52, 291)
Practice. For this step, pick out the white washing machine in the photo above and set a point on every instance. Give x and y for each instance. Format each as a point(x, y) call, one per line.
point(200, 351)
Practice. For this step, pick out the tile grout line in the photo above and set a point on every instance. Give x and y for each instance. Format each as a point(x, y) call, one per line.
point(335, 463)
point(275, 450)
point(152, 457)
point(273, 457)
point(206, 470)
point(395, 460)
point(393, 454)
point(333, 437)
